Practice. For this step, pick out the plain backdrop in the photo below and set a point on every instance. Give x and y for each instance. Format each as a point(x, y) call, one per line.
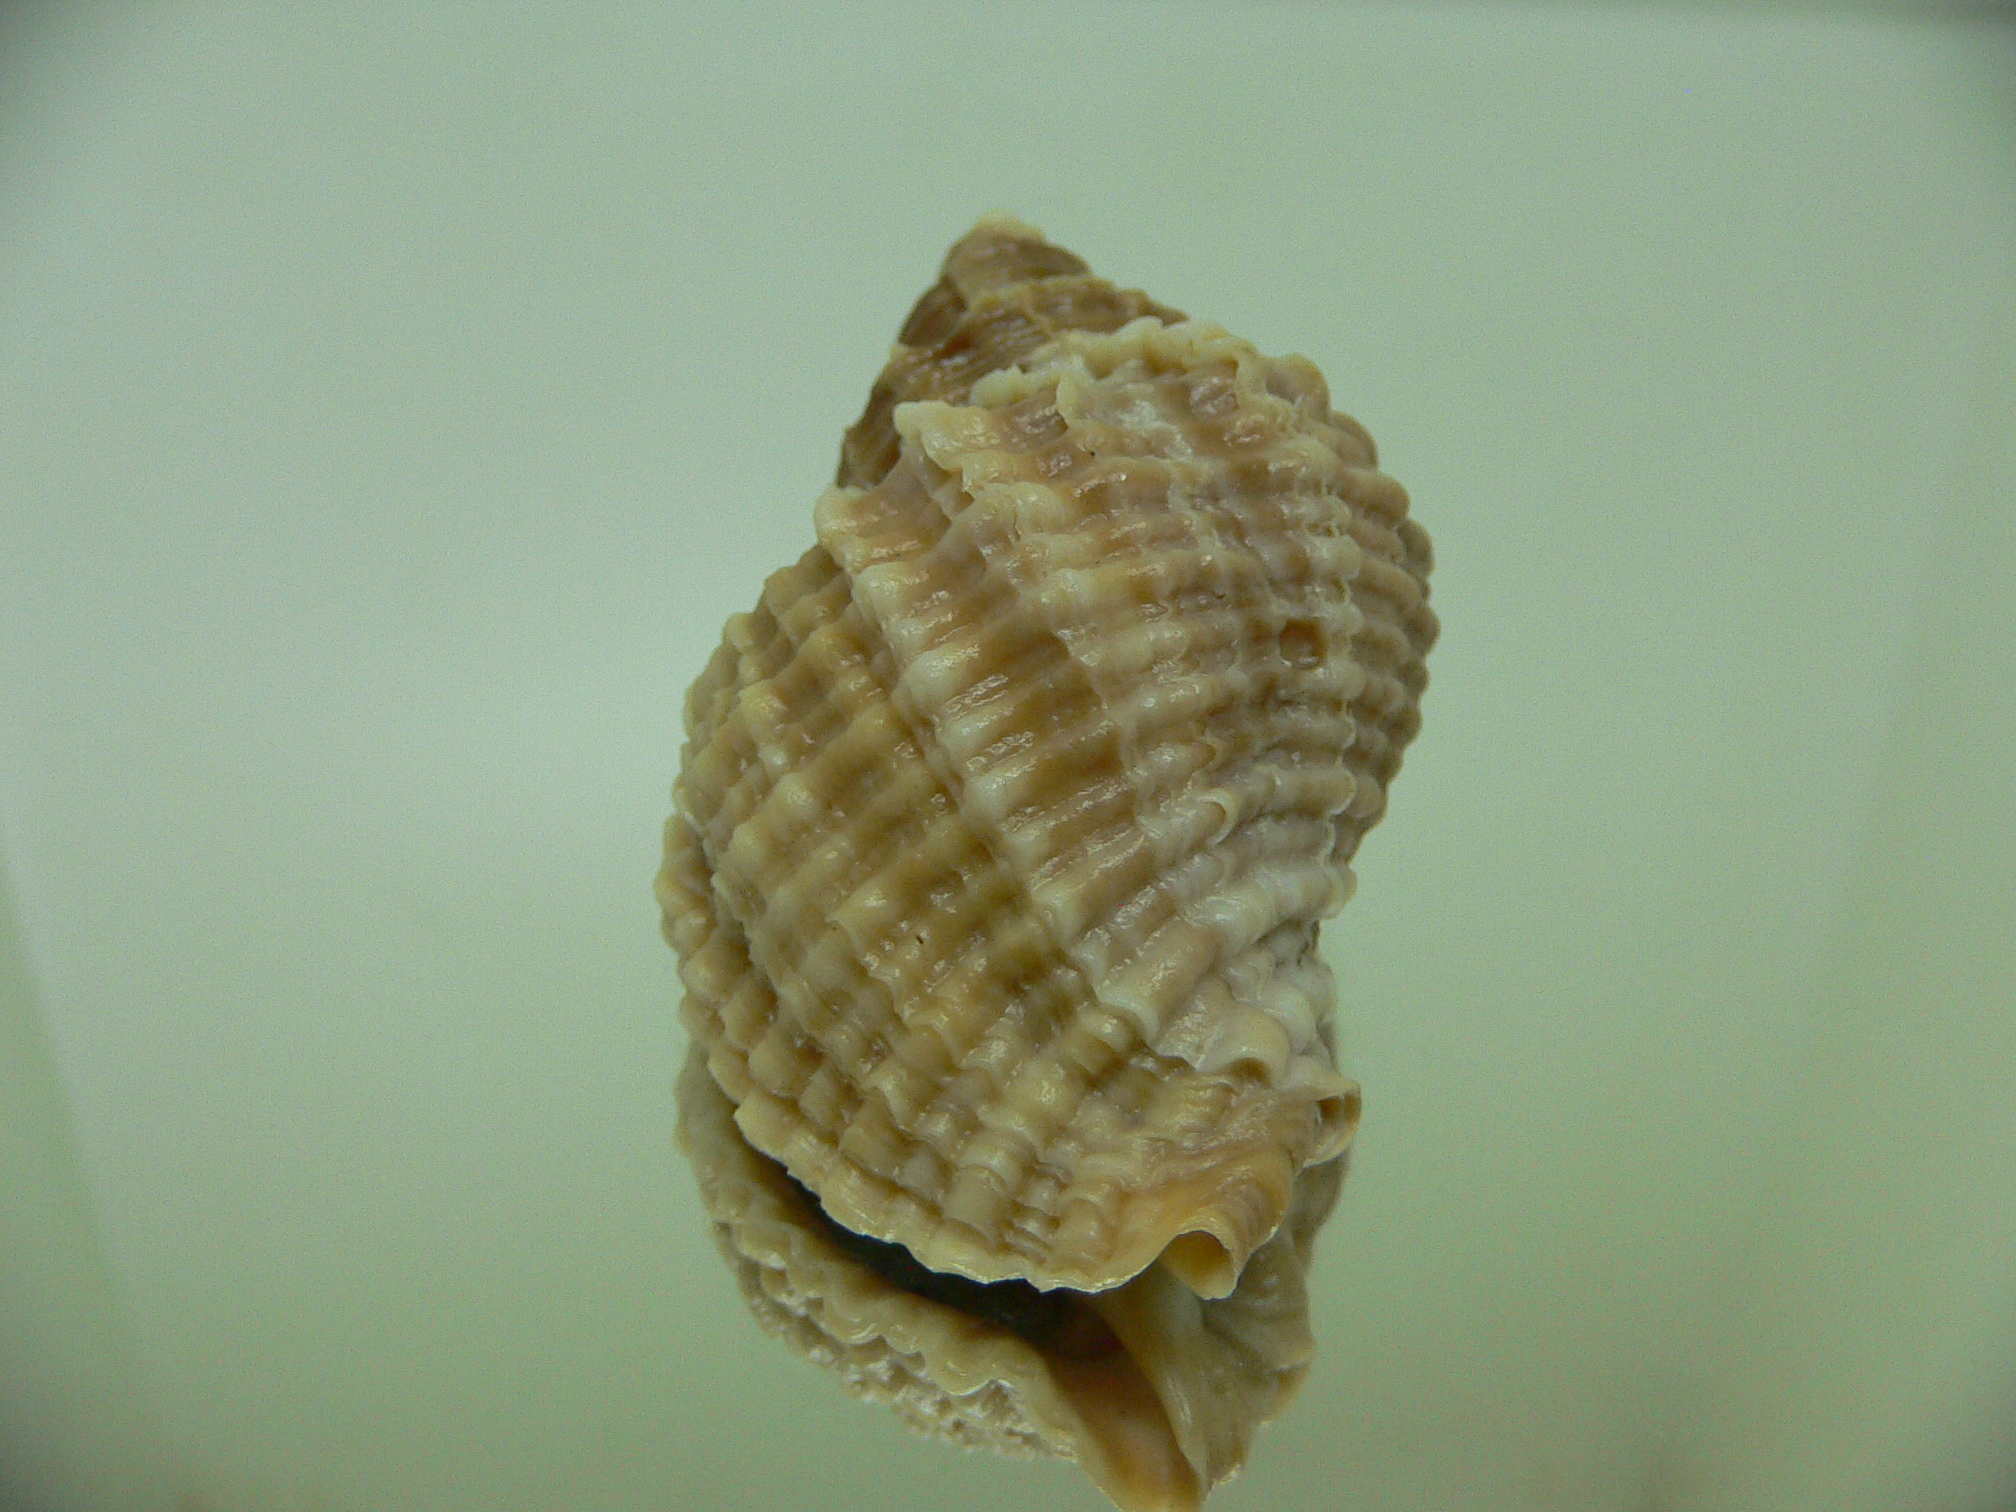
point(395, 400)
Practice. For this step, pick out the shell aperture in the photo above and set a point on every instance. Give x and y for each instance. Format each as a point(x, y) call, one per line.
point(1004, 829)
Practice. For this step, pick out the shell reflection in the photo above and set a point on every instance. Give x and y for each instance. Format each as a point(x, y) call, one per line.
point(1001, 840)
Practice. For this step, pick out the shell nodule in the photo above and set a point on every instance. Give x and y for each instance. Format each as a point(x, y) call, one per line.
point(1003, 832)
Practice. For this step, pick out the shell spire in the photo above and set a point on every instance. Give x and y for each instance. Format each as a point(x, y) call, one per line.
point(1004, 829)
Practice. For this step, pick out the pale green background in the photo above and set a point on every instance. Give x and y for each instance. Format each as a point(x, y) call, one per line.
point(394, 400)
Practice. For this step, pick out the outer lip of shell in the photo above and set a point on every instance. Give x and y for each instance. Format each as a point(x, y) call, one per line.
point(1155, 1393)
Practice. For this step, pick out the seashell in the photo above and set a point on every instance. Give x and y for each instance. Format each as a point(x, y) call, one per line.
point(1003, 833)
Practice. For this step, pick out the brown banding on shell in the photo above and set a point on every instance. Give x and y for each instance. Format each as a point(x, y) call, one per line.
point(1004, 830)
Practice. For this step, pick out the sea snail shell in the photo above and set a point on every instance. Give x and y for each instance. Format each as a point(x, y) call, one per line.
point(1003, 831)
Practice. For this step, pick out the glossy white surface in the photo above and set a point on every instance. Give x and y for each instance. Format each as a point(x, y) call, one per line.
point(392, 407)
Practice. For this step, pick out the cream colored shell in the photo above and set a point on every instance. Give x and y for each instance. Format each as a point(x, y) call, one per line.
point(1005, 825)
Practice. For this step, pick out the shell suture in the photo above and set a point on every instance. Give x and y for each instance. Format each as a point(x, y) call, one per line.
point(1004, 829)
